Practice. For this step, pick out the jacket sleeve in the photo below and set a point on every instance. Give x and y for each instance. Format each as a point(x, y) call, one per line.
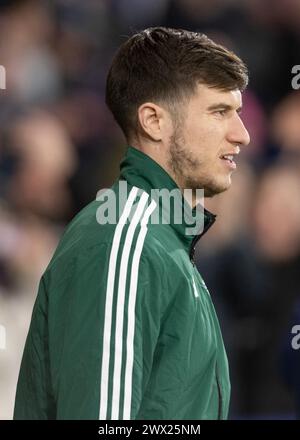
point(130, 334)
point(91, 344)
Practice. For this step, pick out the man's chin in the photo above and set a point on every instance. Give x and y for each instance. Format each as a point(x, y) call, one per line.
point(213, 190)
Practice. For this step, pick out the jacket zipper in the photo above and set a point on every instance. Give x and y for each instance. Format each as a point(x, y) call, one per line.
point(211, 219)
point(219, 395)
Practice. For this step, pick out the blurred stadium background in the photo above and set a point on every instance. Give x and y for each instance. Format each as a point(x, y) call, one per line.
point(59, 145)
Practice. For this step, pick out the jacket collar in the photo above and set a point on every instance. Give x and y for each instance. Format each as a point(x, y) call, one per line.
point(140, 170)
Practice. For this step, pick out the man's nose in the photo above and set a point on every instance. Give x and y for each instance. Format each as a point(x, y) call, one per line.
point(238, 133)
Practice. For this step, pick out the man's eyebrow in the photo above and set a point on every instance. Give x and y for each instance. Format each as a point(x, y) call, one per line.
point(223, 106)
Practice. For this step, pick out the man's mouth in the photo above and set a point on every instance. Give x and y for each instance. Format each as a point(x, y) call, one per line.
point(228, 158)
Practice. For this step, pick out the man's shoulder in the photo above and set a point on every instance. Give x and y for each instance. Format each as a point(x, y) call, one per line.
point(108, 220)
point(84, 232)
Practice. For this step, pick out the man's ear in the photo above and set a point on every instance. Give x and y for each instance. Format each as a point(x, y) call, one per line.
point(152, 120)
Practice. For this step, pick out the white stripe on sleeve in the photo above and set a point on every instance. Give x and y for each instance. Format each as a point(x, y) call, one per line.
point(109, 303)
point(131, 311)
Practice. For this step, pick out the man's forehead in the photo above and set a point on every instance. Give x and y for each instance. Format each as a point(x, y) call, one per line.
point(209, 96)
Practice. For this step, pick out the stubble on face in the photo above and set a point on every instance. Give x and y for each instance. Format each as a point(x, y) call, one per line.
point(188, 171)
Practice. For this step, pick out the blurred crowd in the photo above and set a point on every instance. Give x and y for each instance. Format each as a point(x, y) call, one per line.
point(59, 146)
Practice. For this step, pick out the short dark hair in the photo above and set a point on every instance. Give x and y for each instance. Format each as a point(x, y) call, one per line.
point(164, 65)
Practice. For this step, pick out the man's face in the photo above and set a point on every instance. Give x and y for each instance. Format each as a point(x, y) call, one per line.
point(211, 128)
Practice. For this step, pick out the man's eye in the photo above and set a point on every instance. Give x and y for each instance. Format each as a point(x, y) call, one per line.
point(221, 112)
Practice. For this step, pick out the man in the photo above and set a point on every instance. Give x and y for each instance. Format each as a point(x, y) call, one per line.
point(123, 326)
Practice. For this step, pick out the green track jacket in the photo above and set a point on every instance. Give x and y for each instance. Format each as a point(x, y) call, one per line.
point(123, 326)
